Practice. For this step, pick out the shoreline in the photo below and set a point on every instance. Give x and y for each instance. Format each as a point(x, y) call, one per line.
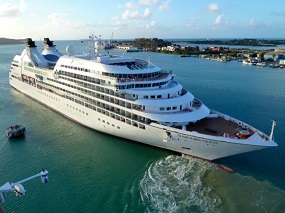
point(8, 41)
point(238, 42)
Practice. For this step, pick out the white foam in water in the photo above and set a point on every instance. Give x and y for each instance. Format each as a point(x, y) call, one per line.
point(174, 184)
point(184, 184)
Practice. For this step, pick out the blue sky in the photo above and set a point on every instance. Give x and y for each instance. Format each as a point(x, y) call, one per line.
point(62, 19)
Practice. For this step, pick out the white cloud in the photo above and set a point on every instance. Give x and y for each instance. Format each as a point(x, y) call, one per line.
point(119, 26)
point(192, 23)
point(148, 2)
point(129, 5)
point(213, 8)
point(12, 10)
point(164, 6)
point(115, 18)
point(253, 23)
point(219, 20)
point(33, 14)
point(55, 18)
point(59, 21)
point(147, 13)
point(22, 5)
point(151, 25)
point(75, 24)
point(128, 15)
point(143, 3)
point(132, 5)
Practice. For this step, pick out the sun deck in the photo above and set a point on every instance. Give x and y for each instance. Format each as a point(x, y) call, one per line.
point(219, 126)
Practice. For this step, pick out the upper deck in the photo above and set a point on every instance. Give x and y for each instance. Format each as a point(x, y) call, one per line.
point(225, 126)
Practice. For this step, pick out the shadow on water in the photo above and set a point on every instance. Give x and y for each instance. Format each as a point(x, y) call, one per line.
point(259, 164)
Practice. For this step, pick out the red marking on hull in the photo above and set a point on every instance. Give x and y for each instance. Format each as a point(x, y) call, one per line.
point(217, 165)
point(224, 168)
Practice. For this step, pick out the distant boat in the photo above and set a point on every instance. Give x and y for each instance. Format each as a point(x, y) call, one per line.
point(275, 66)
point(184, 55)
point(253, 61)
point(15, 131)
point(133, 49)
point(246, 61)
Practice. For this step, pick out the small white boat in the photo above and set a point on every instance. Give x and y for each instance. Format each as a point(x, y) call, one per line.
point(132, 49)
point(15, 131)
point(246, 61)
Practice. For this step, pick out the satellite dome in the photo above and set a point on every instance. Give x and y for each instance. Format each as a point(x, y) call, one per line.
point(70, 50)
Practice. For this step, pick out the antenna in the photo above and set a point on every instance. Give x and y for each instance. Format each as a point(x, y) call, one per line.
point(91, 46)
point(110, 45)
point(271, 137)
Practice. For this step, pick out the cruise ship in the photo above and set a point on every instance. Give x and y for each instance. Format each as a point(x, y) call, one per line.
point(130, 98)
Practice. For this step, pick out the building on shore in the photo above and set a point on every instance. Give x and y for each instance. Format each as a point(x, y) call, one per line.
point(274, 56)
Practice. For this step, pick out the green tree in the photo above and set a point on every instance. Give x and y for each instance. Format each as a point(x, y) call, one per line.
point(261, 55)
point(252, 55)
point(273, 56)
point(149, 43)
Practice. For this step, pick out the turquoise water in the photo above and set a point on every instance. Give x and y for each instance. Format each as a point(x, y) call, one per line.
point(90, 171)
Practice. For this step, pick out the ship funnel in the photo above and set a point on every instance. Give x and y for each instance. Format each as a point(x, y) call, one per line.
point(33, 54)
point(49, 48)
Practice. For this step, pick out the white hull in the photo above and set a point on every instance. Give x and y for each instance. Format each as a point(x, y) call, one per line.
point(190, 143)
point(132, 99)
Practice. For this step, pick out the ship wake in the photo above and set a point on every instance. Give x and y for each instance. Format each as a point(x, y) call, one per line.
point(174, 184)
point(186, 184)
